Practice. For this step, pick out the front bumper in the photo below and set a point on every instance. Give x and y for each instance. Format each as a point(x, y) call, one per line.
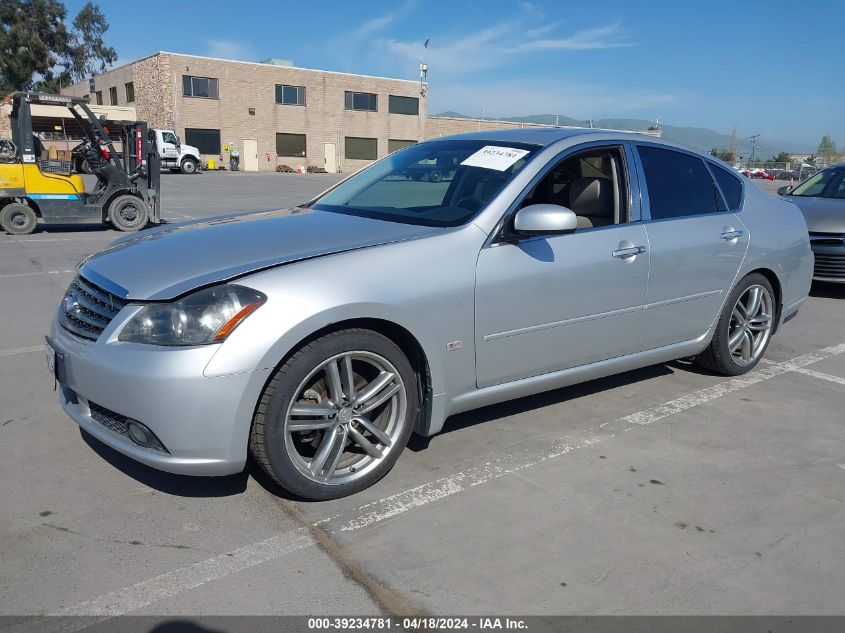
point(829, 252)
point(203, 422)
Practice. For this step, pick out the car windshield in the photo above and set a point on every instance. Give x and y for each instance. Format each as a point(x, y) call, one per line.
point(829, 183)
point(438, 183)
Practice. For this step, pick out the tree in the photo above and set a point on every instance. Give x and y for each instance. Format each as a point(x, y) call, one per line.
point(33, 39)
point(827, 150)
point(723, 154)
point(811, 159)
point(39, 51)
point(781, 157)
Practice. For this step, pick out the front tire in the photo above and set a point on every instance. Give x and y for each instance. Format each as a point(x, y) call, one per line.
point(336, 415)
point(128, 213)
point(18, 219)
point(744, 328)
point(189, 166)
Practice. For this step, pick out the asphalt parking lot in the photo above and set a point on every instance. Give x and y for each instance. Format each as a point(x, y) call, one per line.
point(666, 490)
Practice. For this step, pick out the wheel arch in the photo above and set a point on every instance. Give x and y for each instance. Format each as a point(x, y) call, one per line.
point(772, 277)
point(401, 336)
point(113, 196)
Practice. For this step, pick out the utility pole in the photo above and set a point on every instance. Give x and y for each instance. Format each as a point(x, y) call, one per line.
point(754, 143)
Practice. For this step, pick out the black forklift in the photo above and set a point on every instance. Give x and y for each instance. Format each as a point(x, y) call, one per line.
point(34, 186)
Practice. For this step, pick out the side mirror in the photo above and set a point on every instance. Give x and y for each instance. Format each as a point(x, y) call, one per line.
point(782, 191)
point(544, 219)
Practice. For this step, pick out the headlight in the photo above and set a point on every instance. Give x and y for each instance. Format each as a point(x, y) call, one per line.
point(207, 316)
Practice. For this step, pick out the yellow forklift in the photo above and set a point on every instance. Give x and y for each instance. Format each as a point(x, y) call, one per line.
point(36, 188)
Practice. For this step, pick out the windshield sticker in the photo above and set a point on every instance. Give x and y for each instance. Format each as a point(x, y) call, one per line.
point(493, 157)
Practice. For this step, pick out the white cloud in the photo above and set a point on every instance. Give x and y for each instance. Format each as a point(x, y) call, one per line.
point(381, 22)
point(494, 46)
point(228, 49)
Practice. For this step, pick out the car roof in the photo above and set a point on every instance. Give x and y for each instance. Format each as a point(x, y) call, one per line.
point(546, 136)
point(537, 136)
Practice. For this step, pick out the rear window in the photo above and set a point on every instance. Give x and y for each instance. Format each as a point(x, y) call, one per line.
point(678, 184)
point(730, 185)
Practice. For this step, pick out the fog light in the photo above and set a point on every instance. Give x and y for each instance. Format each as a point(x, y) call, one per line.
point(138, 433)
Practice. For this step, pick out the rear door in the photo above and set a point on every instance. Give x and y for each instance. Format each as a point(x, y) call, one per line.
point(697, 245)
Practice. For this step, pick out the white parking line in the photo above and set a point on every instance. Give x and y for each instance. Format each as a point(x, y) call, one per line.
point(532, 452)
point(542, 450)
point(35, 240)
point(21, 350)
point(166, 585)
point(821, 375)
point(36, 272)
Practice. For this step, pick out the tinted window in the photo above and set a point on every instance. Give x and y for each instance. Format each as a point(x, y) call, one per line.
point(361, 101)
point(361, 148)
point(403, 105)
point(678, 184)
point(730, 185)
point(199, 87)
point(826, 184)
point(290, 144)
point(113, 95)
point(130, 92)
point(437, 183)
point(205, 140)
point(99, 97)
point(290, 95)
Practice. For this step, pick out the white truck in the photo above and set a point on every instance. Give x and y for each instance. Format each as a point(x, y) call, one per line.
point(175, 155)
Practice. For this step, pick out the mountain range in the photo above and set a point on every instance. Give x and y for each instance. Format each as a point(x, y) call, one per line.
point(697, 138)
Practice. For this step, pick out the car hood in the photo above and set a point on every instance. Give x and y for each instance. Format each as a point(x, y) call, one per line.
point(188, 149)
point(823, 215)
point(168, 261)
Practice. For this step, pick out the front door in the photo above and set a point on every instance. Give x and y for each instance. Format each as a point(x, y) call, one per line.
point(697, 247)
point(331, 157)
point(551, 303)
point(250, 155)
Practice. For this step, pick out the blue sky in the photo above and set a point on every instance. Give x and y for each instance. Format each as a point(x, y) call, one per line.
point(766, 67)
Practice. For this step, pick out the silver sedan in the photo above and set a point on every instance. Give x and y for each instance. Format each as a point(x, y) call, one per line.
point(319, 338)
point(821, 199)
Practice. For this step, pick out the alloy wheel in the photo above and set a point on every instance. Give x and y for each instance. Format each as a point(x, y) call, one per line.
point(346, 417)
point(751, 325)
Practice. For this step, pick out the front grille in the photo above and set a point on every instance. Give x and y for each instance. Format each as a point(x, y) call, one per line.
point(116, 423)
point(87, 309)
point(830, 265)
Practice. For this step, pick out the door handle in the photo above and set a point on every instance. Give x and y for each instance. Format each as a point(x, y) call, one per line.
point(625, 253)
point(731, 234)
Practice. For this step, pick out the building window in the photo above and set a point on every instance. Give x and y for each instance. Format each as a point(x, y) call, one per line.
point(130, 92)
point(290, 144)
point(206, 141)
point(361, 101)
point(98, 97)
point(199, 87)
point(403, 105)
point(113, 95)
point(395, 144)
point(290, 95)
point(361, 148)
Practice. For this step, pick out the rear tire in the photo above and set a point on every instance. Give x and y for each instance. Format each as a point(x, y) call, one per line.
point(128, 213)
point(341, 445)
point(18, 219)
point(744, 328)
point(189, 166)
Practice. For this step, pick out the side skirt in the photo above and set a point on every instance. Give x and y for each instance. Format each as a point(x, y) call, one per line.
point(494, 394)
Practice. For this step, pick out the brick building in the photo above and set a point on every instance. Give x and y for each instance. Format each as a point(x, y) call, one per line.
point(272, 112)
point(275, 113)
